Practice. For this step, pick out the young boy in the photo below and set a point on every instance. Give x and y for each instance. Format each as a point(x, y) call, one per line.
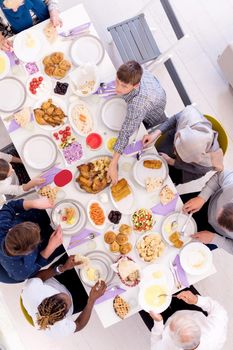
point(146, 100)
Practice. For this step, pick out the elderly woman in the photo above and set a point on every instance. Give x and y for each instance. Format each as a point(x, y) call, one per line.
point(51, 303)
point(22, 14)
point(27, 241)
point(191, 330)
point(190, 145)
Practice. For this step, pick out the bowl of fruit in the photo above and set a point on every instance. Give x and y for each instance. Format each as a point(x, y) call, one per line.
point(38, 86)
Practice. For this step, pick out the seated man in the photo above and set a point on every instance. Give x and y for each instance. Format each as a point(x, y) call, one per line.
point(146, 102)
point(191, 330)
point(50, 303)
point(27, 241)
point(215, 204)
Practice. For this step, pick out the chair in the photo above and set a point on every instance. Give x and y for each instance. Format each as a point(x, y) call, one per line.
point(25, 313)
point(222, 135)
point(134, 41)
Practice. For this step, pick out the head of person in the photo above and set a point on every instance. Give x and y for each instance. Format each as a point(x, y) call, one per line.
point(225, 217)
point(22, 239)
point(52, 310)
point(13, 4)
point(128, 77)
point(6, 169)
point(184, 331)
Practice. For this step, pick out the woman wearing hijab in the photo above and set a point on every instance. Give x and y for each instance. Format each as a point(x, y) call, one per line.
point(190, 145)
point(23, 14)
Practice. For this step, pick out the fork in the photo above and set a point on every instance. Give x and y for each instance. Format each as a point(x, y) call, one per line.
point(175, 275)
point(87, 238)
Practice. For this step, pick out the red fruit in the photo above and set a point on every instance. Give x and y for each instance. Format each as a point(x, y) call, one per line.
point(68, 133)
point(60, 132)
point(34, 80)
point(64, 218)
point(40, 79)
point(55, 134)
point(33, 92)
point(67, 128)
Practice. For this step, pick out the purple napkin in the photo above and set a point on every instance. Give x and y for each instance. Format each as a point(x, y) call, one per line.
point(180, 272)
point(108, 90)
point(49, 176)
point(14, 126)
point(76, 30)
point(133, 148)
point(81, 237)
point(13, 59)
point(109, 294)
point(164, 210)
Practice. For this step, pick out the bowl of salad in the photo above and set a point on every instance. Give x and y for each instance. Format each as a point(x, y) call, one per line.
point(142, 220)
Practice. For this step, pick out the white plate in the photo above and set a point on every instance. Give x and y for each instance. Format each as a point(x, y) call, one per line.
point(102, 262)
point(140, 239)
point(57, 214)
point(196, 258)
point(80, 75)
point(57, 102)
point(24, 51)
point(87, 49)
point(41, 94)
point(113, 112)
point(86, 112)
point(164, 289)
point(181, 218)
point(5, 64)
point(100, 227)
point(13, 94)
point(158, 273)
point(125, 205)
point(39, 152)
point(141, 173)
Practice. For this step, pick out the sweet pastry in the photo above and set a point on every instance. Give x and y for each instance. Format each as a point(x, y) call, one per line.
point(121, 307)
point(125, 229)
point(120, 190)
point(175, 239)
point(57, 57)
point(153, 184)
point(121, 238)
point(23, 117)
point(49, 192)
point(166, 195)
point(150, 247)
point(64, 64)
point(152, 163)
point(114, 247)
point(109, 237)
point(56, 66)
point(125, 248)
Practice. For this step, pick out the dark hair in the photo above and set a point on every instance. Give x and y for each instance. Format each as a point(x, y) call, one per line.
point(225, 219)
point(50, 311)
point(22, 238)
point(130, 73)
point(4, 169)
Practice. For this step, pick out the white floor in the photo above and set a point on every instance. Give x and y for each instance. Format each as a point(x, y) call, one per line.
point(209, 24)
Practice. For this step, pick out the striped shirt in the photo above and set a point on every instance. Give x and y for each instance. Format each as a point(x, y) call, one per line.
point(146, 103)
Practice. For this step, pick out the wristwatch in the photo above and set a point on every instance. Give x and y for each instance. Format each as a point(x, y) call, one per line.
point(57, 269)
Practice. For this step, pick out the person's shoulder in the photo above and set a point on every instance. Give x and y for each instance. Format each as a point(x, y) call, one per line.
point(62, 328)
point(32, 283)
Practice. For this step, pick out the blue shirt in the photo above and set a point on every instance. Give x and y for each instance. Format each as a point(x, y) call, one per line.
point(18, 267)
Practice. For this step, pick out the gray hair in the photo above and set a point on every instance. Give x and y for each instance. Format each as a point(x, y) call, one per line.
point(184, 331)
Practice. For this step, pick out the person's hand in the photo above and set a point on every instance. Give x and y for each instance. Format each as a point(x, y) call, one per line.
point(169, 160)
point(97, 291)
point(37, 181)
point(205, 237)
point(112, 173)
point(41, 203)
point(5, 44)
point(55, 19)
point(55, 240)
point(150, 138)
point(71, 263)
point(156, 317)
point(193, 205)
point(188, 297)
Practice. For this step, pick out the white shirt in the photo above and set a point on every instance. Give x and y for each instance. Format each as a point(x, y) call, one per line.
point(7, 157)
point(213, 327)
point(10, 186)
point(34, 292)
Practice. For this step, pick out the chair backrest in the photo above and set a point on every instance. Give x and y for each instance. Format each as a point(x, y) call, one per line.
point(26, 314)
point(222, 135)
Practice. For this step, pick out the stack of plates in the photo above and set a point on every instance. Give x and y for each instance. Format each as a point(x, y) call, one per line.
point(113, 113)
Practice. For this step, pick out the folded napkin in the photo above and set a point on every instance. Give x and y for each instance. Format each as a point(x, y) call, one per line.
point(76, 30)
point(14, 126)
point(133, 148)
point(164, 210)
point(13, 58)
point(109, 294)
point(107, 90)
point(81, 237)
point(49, 176)
point(180, 272)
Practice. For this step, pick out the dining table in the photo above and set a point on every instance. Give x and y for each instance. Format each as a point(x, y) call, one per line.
point(72, 18)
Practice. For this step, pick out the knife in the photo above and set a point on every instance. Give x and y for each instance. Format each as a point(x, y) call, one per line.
point(185, 225)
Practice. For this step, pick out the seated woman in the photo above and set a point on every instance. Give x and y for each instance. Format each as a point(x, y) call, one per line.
point(190, 145)
point(50, 303)
point(9, 184)
point(22, 14)
point(27, 241)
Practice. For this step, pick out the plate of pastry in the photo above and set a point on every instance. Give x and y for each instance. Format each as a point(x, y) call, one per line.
point(150, 172)
point(50, 114)
point(154, 296)
point(80, 118)
point(150, 247)
point(119, 240)
point(87, 49)
point(121, 307)
point(91, 177)
point(166, 195)
point(171, 227)
point(123, 196)
point(56, 65)
point(29, 46)
point(128, 271)
point(96, 214)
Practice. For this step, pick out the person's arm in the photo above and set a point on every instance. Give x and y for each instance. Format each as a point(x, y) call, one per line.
point(157, 330)
point(5, 44)
point(212, 185)
point(55, 240)
point(169, 124)
point(7, 157)
point(16, 160)
point(195, 169)
point(54, 13)
point(41, 203)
